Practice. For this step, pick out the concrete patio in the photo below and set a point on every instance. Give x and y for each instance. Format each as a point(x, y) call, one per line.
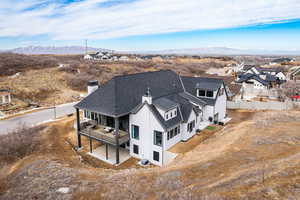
point(100, 153)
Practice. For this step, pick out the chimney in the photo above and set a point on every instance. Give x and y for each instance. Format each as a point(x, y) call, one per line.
point(147, 97)
point(92, 86)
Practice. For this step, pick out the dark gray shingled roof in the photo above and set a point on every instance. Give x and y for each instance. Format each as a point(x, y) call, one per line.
point(164, 104)
point(122, 94)
point(185, 106)
point(269, 79)
point(166, 124)
point(191, 84)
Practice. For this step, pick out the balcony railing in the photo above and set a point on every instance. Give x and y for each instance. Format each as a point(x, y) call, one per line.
point(102, 133)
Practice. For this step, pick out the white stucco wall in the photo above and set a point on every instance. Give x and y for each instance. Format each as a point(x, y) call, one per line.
point(147, 124)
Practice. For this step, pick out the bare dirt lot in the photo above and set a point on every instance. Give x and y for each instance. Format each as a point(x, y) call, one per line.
point(255, 156)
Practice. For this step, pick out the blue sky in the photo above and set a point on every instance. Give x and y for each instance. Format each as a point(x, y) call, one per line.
point(151, 24)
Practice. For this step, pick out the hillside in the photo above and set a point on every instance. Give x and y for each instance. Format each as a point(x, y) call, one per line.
point(57, 79)
point(256, 156)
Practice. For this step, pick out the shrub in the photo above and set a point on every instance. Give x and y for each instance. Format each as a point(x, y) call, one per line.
point(19, 143)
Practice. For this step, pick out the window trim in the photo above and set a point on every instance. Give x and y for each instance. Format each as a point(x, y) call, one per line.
point(133, 133)
point(155, 138)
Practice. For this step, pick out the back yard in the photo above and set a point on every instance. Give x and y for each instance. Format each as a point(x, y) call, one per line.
point(256, 156)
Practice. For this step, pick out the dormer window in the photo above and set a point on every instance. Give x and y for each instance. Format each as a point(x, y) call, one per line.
point(201, 93)
point(209, 93)
point(171, 114)
point(205, 93)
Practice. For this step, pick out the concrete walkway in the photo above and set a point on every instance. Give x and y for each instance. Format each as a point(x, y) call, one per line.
point(35, 118)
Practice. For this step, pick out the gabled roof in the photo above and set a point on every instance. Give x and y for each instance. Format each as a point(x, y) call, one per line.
point(166, 124)
point(122, 94)
point(164, 103)
point(248, 76)
point(191, 84)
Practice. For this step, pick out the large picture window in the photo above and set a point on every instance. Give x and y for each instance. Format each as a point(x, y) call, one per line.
point(157, 138)
point(135, 132)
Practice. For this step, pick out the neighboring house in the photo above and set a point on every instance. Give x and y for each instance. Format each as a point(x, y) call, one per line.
point(150, 112)
point(276, 72)
point(108, 56)
point(5, 97)
point(260, 82)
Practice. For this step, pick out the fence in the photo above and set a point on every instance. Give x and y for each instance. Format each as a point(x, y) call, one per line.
point(257, 105)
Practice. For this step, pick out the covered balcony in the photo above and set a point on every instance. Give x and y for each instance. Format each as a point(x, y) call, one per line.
point(103, 133)
point(111, 131)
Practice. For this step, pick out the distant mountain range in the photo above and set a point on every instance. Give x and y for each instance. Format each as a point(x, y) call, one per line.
point(217, 51)
point(54, 50)
point(193, 51)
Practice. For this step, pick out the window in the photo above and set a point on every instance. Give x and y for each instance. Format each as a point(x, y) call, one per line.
point(171, 114)
point(135, 132)
point(209, 93)
point(172, 133)
point(156, 156)
point(135, 149)
point(201, 93)
point(175, 112)
point(167, 116)
point(157, 138)
point(191, 126)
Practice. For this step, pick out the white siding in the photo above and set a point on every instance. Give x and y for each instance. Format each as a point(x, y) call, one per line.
point(184, 132)
point(208, 111)
point(220, 106)
point(171, 142)
point(147, 124)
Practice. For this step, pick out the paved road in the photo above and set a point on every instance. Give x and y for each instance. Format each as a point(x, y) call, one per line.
point(35, 118)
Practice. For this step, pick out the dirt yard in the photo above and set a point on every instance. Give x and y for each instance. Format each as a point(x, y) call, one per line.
point(255, 156)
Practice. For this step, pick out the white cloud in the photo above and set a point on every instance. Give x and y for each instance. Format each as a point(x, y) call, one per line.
point(88, 19)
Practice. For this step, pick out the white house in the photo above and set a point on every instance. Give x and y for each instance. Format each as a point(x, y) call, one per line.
point(148, 113)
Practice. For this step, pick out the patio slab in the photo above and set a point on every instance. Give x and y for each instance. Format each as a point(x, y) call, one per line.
point(100, 153)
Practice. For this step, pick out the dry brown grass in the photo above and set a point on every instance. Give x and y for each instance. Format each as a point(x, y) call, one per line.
point(246, 159)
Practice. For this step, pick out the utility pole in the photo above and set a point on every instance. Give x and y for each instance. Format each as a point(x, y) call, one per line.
point(86, 47)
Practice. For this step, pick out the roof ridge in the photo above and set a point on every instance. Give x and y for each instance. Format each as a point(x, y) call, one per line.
point(139, 73)
point(203, 77)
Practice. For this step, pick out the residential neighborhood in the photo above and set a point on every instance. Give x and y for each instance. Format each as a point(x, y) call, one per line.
point(149, 100)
